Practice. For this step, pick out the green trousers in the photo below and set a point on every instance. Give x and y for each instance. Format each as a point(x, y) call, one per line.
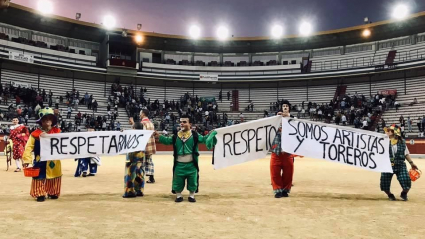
point(182, 172)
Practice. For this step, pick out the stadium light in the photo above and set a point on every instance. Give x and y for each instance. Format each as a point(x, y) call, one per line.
point(277, 31)
point(400, 11)
point(109, 22)
point(194, 32)
point(366, 20)
point(366, 33)
point(222, 33)
point(138, 38)
point(45, 6)
point(305, 29)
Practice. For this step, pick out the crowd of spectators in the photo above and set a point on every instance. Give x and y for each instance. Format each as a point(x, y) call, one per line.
point(355, 110)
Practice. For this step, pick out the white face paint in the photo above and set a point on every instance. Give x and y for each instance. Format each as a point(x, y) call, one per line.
point(285, 108)
point(184, 124)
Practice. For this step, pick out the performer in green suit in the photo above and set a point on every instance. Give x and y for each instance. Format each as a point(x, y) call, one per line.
point(185, 145)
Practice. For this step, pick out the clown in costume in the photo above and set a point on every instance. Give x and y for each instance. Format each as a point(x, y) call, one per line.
point(185, 145)
point(84, 164)
point(398, 153)
point(19, 135)
point(48, 182)
point(281, 163)
point(134, 176)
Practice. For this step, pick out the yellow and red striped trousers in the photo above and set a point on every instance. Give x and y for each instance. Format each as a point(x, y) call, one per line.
point(41, 187)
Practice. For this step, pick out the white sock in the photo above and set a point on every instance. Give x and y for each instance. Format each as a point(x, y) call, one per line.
point(192, 194)
point(17, 163)
point(179, 195)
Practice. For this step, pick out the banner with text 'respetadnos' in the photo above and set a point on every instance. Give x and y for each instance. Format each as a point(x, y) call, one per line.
point(91, 144)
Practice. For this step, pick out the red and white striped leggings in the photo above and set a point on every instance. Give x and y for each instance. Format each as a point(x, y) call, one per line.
point(41, 187)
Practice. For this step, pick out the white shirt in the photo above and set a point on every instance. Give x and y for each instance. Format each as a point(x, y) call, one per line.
point(365, 123)
point(343, 118)
point(394, 149)
point(207, 113)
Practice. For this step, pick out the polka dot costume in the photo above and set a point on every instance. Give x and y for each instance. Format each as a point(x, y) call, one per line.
point(19, 141)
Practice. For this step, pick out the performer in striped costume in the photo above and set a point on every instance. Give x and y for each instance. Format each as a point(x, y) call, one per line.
point(48, 182)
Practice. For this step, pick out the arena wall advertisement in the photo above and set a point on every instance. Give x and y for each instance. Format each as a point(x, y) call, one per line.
point(21, 57)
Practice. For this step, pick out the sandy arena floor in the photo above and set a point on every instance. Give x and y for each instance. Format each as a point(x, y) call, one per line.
point(328, 201)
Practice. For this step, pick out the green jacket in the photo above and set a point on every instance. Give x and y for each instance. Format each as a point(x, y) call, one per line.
point(188, 147)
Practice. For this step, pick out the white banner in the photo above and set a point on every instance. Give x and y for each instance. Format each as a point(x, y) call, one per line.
point(21, 84)
point(350, 146)
point(91, 144)
point(21, 57)
point(208, 77)
point(244, 142)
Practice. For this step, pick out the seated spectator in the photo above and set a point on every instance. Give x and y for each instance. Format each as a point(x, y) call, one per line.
point(365, 124)
point(343, 119)
point(397, 105)
point(415, 101)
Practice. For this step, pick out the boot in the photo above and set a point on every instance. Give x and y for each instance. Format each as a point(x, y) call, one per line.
point(403, 196)
point(391, 197)
point(41, 199)
point(151, 179)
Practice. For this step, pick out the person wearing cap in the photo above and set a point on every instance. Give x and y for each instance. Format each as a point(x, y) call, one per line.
point(398, 154)
point(48, 182)
point(281, 163)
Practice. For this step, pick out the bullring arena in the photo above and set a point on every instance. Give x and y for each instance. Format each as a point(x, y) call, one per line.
point(348, 88)
point(327, 201)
